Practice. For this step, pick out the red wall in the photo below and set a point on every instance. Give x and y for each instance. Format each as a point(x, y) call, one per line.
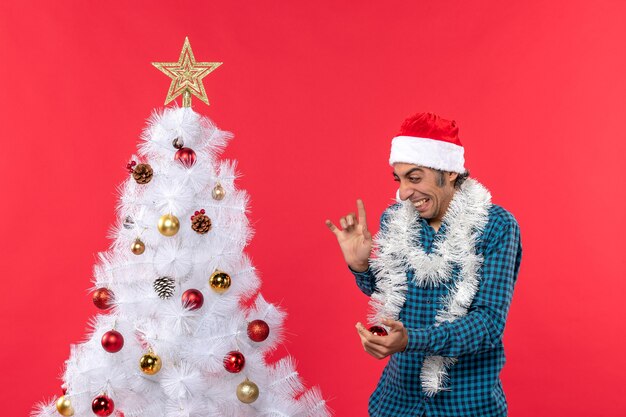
point(313, 92)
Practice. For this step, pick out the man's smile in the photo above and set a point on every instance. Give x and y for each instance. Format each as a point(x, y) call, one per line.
point(421, 204)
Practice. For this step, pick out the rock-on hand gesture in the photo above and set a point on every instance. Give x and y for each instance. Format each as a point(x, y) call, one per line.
point(354, 239)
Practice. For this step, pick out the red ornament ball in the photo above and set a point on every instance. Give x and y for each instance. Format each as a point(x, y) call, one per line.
point(234, 362)
point(103, 298)
point(185, 156)
point(193, 299)
point(112, 341)
point(378, 331)
point(102, 406)
point(258, 330)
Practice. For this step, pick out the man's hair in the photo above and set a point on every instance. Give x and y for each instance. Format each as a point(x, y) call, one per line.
point(460, 179)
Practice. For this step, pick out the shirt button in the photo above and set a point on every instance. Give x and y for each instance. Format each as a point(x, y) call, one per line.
point(428, 301)
point(426, 399)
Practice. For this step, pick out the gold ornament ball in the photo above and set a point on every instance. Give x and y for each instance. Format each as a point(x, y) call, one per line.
point(150, 363)
point(219, 281)
point(168, 225)
point(138, 247)
point(218, 192)
point(64, 406)
point(247, 392)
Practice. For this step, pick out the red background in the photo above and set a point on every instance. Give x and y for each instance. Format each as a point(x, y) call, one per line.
point(313, 92)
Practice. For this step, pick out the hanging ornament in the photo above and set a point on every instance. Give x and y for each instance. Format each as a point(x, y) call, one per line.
point(64, 406)
point(218, 192)
point(129, 223)
point(178, 143)
point(103, 298)
point(164, 287)
point(219, 281)
point(150, 363)
point(138, 247)
point(142, 173)
point(258, 330)
point(200, 222)
point(234, 362)
point(247, 392)
point(102, 406)
point(168, 225)
point(192, 299)
point(186, 156)
point(112, 341)
point(131, 166)
point(378, 331)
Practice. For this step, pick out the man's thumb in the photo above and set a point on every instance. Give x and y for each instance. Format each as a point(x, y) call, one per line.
point(394, 326)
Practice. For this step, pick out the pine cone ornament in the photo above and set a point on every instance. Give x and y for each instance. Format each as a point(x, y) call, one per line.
point(164, 287)
point(200, 222)
point(142, 173)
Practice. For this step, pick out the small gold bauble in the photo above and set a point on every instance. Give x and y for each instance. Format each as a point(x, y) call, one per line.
point(219, 281)
point(247, 392)
point(218, 192)
point(64, 406)
point(150, 363)
point(168, 225)
point(138, 247)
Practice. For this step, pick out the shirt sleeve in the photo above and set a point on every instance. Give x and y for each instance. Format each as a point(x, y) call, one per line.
point(366, 280)
point(483, 325)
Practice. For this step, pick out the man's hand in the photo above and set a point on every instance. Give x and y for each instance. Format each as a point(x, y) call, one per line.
point(354, 239)
point(382, 346)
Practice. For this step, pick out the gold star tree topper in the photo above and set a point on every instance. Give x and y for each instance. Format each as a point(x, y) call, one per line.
point(186, 75)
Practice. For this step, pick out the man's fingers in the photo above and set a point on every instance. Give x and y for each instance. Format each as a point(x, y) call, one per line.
point(370, 337)
point(361, 336)
point(375, 350)
point(332, 227)
point(362, 217)
point(363, 332)
point(349, 222)
point(361, 329)
point(351, 219)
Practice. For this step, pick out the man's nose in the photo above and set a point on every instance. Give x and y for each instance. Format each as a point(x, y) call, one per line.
point(404, 192)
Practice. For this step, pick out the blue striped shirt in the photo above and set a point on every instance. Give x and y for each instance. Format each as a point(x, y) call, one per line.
point(475, 389)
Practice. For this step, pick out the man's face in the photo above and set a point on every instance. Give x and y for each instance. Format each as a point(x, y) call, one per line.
point(424, 188)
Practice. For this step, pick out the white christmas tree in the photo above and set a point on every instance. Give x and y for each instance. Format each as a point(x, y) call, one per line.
point(184, 332)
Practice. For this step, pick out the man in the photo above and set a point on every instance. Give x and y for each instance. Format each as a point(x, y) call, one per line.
point(441, 281)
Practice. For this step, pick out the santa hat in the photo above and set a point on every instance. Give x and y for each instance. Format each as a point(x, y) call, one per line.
point(427, 140)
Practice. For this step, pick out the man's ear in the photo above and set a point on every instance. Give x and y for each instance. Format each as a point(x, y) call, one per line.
point(452, 176)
